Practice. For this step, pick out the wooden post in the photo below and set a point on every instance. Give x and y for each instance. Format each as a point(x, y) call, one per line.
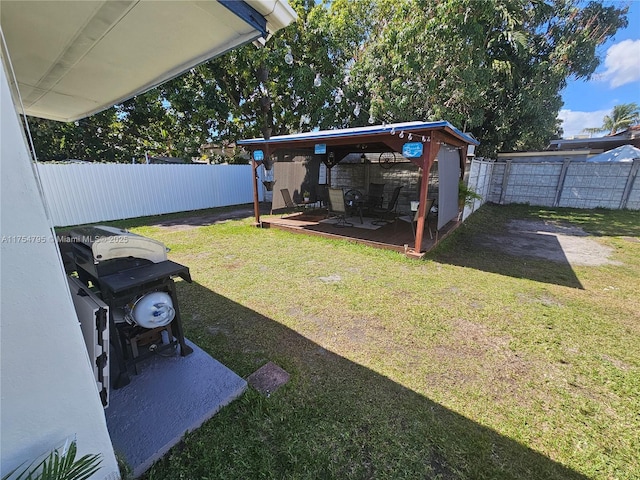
point(428, 157)
point(256, 202)
point(629, 183)
point(505, 181)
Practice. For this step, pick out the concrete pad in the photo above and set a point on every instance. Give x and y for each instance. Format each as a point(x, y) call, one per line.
point(268, 378)
point(169, 397)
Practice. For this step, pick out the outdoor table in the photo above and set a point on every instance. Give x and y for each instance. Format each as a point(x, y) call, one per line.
point(355, 200)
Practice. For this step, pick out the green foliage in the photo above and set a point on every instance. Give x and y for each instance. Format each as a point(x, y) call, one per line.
point(466, 194)
point(60, 464)
point(494, 68)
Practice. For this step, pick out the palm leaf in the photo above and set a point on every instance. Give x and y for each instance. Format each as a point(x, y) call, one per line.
point(59, 464)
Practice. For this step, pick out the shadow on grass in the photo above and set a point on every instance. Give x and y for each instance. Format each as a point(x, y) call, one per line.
point(334, 419)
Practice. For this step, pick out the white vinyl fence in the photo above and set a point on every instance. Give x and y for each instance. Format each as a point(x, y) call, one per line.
point(575, 184)
point(87, 193)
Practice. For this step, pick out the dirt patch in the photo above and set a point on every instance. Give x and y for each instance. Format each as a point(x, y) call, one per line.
point(550, 241)
point(477, 359)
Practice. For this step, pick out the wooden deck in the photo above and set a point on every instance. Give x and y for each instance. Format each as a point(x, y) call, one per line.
point(397, 236)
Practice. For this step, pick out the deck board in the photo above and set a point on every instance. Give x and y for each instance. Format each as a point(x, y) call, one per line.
point(393, 236)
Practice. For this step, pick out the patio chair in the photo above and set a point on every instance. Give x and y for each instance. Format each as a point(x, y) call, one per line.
point(375, 196)
point(338, 208)
point(289, 203)
point(426, 219)
point(388, 214)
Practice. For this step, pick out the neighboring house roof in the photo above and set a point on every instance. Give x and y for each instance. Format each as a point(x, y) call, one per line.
point(625, 153)
point(631, 132)
point(630, 136)
point(74, 59)
point(164, 160)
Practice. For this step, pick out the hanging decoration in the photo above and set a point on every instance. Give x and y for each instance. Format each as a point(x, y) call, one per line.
point(338, 95)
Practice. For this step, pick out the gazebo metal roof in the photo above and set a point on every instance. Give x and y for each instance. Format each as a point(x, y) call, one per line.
point(342, 133)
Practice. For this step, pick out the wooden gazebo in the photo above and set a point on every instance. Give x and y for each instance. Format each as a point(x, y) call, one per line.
point(419, 142)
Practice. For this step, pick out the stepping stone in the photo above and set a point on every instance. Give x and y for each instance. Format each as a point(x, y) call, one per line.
point(268, 378)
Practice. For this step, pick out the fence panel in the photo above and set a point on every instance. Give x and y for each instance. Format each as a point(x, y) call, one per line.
point(592, 185)
point(88, 193)
point(479, 181)
point(574, 184)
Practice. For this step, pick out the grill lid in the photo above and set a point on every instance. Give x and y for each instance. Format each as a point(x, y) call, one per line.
point(108, 243)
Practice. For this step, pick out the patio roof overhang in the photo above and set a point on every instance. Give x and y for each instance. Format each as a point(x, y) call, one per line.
point(72, 59)
point(338, 143)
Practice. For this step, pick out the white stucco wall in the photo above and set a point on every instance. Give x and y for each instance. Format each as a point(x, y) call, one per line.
point(47, 389)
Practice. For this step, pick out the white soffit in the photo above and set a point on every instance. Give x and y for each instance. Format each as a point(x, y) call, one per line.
point(76, 58)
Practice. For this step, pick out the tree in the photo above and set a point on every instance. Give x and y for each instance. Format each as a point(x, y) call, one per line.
point(494, 68)
point(622, 117)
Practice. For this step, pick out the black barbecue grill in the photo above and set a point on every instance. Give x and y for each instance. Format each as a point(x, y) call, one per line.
point(133, 276)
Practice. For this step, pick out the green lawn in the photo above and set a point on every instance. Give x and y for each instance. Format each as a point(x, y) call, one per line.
point(468, 364)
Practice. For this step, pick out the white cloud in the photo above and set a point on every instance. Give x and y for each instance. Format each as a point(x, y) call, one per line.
point(622, 63)
point(575, 122)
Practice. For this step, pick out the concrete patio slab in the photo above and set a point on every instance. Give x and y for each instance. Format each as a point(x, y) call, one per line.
point(169, 397)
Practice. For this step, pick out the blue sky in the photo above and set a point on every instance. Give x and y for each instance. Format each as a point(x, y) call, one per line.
point(616, 81)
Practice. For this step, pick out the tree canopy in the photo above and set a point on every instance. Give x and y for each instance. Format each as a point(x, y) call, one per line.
point(493, 68)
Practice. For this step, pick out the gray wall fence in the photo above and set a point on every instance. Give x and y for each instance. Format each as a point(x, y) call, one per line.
point(87, 193)
point(568, 183)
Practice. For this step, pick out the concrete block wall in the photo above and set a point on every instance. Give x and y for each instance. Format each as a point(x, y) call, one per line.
point(494, 191)
point(535, 184)
point(592, 185)
point(569, 183)
point(358, 176)
point(633, 203)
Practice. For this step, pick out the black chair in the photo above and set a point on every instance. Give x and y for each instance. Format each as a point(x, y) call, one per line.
point(388, 214)
point(354, 201)
point(375, 196)
point(338, 208)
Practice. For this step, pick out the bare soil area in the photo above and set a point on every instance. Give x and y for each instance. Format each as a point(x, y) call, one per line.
point(550, 241)
point(185, 223)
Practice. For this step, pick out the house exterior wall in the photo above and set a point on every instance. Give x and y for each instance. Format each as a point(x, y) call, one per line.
point(546, 156)
point(89, 193)
point(47, 385)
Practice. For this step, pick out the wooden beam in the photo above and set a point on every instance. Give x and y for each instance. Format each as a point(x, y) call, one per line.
point(254, 170)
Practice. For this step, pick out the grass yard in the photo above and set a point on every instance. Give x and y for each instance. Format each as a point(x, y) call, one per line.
point(471, 363)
